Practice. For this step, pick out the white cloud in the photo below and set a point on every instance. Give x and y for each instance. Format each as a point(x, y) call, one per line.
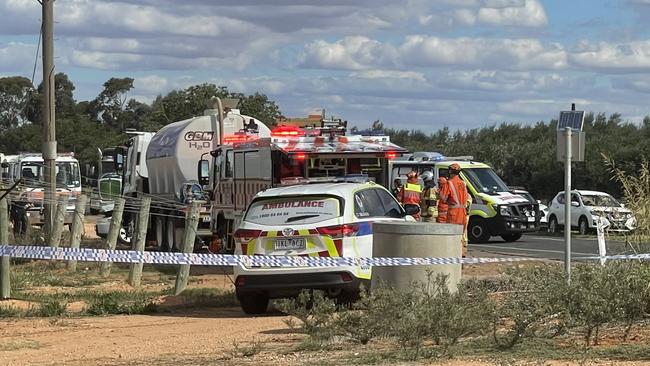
point(614, 57)
point(352, 53)
point(529, 14)
point(14, 56)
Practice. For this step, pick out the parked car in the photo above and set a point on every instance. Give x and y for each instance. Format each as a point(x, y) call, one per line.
point(321, 219)
point(586, 208)
point(542, 213)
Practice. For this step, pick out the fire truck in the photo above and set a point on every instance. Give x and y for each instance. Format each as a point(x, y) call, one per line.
point(292, 155)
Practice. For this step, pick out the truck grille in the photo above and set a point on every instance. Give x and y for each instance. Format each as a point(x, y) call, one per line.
point(109, 188)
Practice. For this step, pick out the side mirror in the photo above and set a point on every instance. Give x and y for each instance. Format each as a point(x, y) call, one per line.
point(411, 209)
point(204, 172)
point(5, 164)
point(119, 162)
point(575, 204)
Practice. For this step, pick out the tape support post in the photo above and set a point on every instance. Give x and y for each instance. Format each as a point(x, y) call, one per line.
point(131, 256)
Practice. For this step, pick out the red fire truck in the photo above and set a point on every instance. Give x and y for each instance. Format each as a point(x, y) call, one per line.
point(292, 155)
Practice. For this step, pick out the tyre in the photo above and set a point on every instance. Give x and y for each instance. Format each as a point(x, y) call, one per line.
point(160, 234)
point(253, 303)
point(348, 297)
point(583, 226)
point(552, 225)
point(511, 237)
point(168, 243)
point(477, 230)
point(126, 232)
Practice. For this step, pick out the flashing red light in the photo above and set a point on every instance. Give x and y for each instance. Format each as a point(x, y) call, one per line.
point(234, 138)
point(391, 155)
point(287, 131)
point(300, 156)
point(339, 231)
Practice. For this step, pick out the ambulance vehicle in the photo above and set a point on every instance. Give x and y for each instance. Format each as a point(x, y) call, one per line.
point(332, 219)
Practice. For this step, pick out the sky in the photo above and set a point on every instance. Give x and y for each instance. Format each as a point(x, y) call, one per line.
point(416, 64)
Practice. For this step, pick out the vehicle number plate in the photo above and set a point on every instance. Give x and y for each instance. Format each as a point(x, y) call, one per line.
point(206, 218)
point(531, 219)
point(290, 244)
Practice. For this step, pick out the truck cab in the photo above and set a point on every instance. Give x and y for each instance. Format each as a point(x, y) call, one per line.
point(29, 169)
point(495, 211)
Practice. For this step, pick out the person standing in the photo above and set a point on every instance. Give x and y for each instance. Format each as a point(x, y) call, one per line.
point(456, 196)
point(411, 193)
point(443, 207)
point(429, 198)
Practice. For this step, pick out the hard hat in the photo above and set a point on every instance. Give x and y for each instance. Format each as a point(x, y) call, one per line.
point(455, 168)
point(426, 176)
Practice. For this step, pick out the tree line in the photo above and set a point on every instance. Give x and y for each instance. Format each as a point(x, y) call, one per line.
point(523, 155)
point(84, 126)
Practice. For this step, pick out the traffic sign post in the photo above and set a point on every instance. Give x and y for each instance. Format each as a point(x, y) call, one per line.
point(570, 147)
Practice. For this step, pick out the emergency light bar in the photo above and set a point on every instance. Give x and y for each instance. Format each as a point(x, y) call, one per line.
point(287, 131)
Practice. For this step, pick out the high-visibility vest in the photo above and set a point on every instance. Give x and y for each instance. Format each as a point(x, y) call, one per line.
point(411, 194)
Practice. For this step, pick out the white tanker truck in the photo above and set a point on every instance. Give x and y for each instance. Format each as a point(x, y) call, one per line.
point(170, 157)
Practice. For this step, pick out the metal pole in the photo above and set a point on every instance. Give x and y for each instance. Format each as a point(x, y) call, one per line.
point(49, 130)
point(567, 203)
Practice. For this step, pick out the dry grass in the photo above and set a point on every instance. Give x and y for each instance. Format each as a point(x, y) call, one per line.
point(636, 192)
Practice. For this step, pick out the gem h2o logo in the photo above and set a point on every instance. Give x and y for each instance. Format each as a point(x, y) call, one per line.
point(199, 140)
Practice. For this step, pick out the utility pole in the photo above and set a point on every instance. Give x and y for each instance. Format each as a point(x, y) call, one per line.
point(49, 124)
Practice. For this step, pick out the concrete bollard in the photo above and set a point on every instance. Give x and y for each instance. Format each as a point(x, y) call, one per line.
point(415, 240)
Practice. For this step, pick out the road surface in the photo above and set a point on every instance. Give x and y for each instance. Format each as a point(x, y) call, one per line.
point(544, 246)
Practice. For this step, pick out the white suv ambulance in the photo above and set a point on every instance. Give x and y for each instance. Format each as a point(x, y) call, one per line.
point(317, 220)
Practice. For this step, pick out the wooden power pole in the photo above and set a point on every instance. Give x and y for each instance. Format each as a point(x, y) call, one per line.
point(49, 124)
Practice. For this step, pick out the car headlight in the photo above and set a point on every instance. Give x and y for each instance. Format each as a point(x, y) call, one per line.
point(504, 210)
point(596, 213)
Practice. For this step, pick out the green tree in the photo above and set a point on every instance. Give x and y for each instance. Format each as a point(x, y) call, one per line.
point(14, 97)
point(109, 105)
point(261, 107)
point(64, 103)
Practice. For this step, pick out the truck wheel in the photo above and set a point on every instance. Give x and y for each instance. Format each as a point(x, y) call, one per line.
point(126, 232)
point(477, 230)
point(169, 235)
point(511, 237)
point(583, 226)
point(254, 303)
point(160, 233)
point(552, 224)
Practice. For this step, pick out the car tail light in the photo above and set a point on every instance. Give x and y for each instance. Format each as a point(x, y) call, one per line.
point(346, 277)
point(241, 281)
point(244, 236)
point(339, 231)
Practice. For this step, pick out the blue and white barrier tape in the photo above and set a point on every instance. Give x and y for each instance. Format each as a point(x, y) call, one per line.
point(131, 256)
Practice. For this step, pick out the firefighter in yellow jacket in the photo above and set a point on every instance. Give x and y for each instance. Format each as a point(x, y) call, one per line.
point(411, 193)
point(429, 198)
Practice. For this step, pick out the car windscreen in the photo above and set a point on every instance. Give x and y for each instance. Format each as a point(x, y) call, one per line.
point(293, 210)
point(485, 180)
point(600, 201)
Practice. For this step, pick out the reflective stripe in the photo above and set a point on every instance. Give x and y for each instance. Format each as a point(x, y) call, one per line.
point(454, 195)
point(413, 187)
